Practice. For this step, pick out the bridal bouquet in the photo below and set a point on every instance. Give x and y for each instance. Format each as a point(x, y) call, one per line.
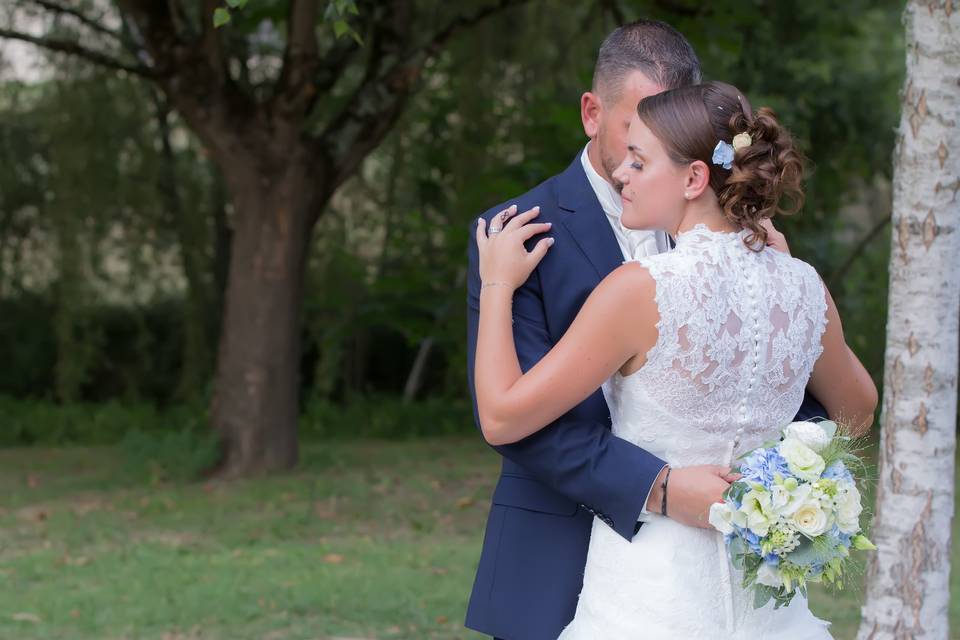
point(794, 514)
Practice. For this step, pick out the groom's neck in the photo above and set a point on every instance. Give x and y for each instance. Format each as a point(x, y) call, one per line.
point(593, 155)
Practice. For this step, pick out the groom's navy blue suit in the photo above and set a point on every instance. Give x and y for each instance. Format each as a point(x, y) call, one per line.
point(553, 482)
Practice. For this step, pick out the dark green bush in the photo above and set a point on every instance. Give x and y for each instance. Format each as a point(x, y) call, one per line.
point(382, 416)
point(138, 427)
point(25, 422)
point(177, 454)
point(28, 346)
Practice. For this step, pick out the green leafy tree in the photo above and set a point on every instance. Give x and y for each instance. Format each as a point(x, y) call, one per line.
point(288, 111)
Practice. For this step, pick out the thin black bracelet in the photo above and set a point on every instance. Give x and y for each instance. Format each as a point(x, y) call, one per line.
point(663, 500)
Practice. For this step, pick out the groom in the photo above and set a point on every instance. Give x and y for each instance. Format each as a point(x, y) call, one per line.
point(553, 483)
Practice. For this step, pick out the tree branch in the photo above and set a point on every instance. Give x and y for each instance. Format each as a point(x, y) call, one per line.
point(155, 23)
point(75, 49)
point(382, 94)
point(385, 38)
point(296, 86)
point(210, 38)
point(334, 62)
point(85, 20)
point(178, 17)
point(205, 97)
point(441, 37)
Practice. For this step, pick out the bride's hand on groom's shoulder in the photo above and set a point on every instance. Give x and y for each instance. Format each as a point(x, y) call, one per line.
point(691, 491)
point(775, 239)
point(503, 257)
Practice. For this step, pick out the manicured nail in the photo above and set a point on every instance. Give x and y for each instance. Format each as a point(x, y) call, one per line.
point(549, 242)
point(512, 207)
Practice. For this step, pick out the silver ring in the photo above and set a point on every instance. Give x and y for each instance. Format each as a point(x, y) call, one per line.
point(493, 231)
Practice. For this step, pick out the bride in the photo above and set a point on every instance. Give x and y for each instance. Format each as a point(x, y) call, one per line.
point(702, 353)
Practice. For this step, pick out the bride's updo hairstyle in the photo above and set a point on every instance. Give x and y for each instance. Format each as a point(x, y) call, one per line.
point(764, 177)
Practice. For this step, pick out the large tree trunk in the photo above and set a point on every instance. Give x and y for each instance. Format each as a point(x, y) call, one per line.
point(908, 591)
point(255, 403)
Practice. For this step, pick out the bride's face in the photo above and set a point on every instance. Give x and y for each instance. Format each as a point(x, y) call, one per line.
point(652, 184)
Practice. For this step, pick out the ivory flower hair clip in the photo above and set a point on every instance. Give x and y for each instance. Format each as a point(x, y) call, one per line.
point(724, 152)
point(742, 140)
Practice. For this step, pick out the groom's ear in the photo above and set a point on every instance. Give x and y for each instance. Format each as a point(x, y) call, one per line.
point(590, 113)
point(697, 179)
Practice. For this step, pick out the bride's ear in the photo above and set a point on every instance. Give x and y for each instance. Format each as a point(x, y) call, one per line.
point(697, 179)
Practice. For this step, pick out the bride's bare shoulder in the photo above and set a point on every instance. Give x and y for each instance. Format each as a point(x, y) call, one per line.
point(629, 285)
point(632, 273)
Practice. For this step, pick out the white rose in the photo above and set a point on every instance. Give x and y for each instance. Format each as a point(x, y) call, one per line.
point(758, 509)
point(769, 576)
point(720, 517)
point(848, 509)
point(810, 519)
point(809, 433)
point(803, 462)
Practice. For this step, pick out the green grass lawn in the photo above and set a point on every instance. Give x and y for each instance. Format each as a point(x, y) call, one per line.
point(367, 539)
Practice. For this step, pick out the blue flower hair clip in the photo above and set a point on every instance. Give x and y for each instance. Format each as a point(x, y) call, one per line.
point(724, 151)
point(723, 154)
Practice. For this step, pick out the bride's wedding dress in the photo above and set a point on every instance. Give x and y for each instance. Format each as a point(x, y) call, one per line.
point(739, 333)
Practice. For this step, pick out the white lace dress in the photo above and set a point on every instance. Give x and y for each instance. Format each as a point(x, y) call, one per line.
point(739, 333)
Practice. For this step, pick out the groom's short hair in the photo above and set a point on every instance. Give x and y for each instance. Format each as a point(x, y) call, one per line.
point(650, 46)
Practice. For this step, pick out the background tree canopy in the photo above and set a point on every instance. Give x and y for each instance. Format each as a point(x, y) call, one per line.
point(117, 222)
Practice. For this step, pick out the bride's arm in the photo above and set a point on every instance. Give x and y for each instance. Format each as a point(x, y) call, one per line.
point(840, 381)
point(615, 324)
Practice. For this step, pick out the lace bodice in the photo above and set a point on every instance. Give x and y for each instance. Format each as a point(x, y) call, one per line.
point(739, 333)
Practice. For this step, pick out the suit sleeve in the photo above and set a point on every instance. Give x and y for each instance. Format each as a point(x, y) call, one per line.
point(810, 409)
point(580, 459)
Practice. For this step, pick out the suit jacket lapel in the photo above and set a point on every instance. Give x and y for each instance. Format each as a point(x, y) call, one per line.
point(586, 221)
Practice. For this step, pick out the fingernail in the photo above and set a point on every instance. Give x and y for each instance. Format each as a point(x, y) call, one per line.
point(550, 242)
point(512, 207)
point(536, 208)
point(549, 224)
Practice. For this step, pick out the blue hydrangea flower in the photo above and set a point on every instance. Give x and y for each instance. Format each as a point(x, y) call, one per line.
point(839, 536)
point(772, 559)
point(752, 540)
point(838, 471)
point(723, 154)
point(762, 464)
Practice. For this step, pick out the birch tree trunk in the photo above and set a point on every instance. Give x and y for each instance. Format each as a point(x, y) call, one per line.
point(908, 590)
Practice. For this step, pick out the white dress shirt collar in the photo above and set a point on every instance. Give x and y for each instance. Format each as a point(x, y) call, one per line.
point(634, 243)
